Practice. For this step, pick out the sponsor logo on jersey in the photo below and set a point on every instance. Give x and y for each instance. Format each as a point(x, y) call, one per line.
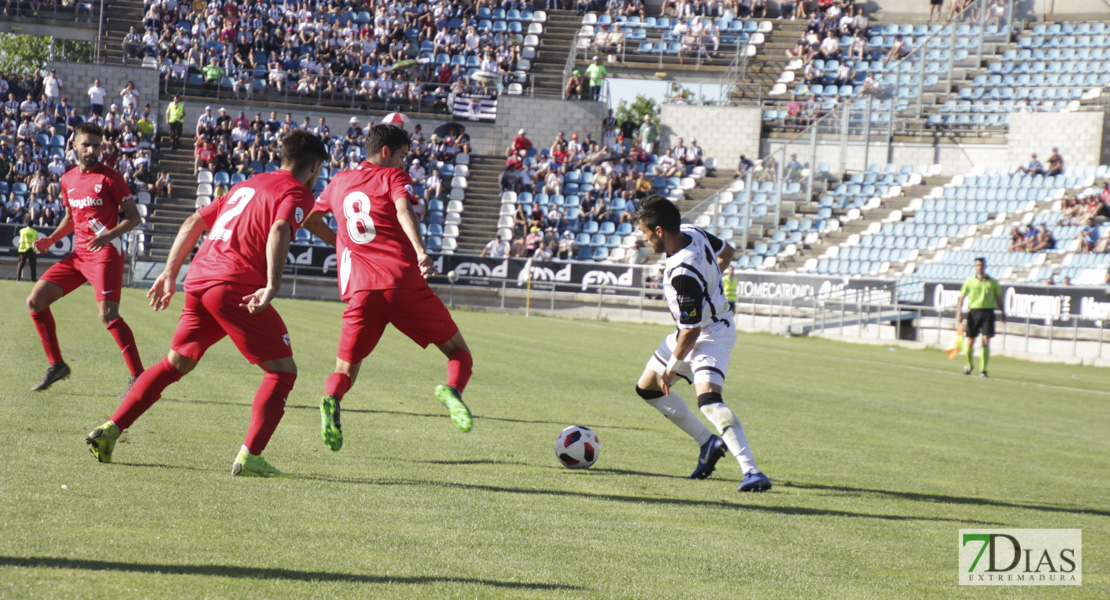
point(285, 338)
point(86, 202)
point(408, 189)
point(96, 188)
point(299, 214)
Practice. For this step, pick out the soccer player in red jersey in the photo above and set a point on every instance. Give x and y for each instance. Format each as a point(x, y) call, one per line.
point(382, 271)
point(93, 195)
point(228, 289)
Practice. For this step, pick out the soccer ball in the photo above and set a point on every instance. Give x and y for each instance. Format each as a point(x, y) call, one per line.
point(577, 447)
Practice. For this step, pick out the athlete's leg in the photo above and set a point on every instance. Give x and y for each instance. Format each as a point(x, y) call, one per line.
point(985, 358)
point(460, 364)
point(671, 405)
point(732, 431)
point(108, 311)
point(42, 296)
point(269, 402)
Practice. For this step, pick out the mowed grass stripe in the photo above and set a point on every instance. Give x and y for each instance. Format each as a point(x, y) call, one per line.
point(878, 458)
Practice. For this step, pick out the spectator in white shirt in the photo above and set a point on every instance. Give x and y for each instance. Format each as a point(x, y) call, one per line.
point(417, 172)
point(52, 87)
point(497, 248)
point(97, 95)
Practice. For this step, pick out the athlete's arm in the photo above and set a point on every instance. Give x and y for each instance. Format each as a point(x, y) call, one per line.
point(315, 224)
point(64, 228)
point(684, 344)
point(166, 283)
point(724, 259)
point(1001, 304)
point(412, 230)
point(131, 219)
point(277, 252)
point(960, 309)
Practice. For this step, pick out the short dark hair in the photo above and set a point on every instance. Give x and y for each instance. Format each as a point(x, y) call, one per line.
point(658, 211)
point(90, 129)
point(981, 258)
point(300, 149)
point(386, 136)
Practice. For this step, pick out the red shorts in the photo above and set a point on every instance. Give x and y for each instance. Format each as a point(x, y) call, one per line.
point(415, 312)
point(106, 276)
point(214, 312)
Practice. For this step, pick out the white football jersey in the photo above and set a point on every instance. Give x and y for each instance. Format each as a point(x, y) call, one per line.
point(692, 282)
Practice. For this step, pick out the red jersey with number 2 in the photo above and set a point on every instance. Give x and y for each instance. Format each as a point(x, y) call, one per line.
point(239, 226)
point(372, 249)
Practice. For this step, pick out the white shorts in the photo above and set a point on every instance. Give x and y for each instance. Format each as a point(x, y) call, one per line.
point(707, 362)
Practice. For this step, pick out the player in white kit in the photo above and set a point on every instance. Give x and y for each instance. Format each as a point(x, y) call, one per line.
point(700, 348)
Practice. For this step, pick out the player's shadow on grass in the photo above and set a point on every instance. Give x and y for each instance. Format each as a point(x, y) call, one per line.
point(437, 415)
point(264, 573)
point(937, 498)
point(546, 467)
point(786, 510)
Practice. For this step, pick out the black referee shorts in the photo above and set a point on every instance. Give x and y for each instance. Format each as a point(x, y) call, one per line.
point(980, 321)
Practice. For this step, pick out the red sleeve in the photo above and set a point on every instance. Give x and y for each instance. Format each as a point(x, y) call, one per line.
point(119, 187)
point(400, 186)
point(294, 207)
point(211, 212)
point(323, 203)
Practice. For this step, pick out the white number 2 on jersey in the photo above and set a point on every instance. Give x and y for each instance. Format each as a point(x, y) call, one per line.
point(360, 226)
point(222, 229)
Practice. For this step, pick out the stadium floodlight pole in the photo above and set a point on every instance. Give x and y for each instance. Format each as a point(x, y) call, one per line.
point(782, 179)
point(843, 110)
point(528, 289)
point(747, 207)
point(982, 30)
point(951, 54)
point(890, 132)
point(812, 158)
point(920, 78)
point(867, 129)
point(100, 31)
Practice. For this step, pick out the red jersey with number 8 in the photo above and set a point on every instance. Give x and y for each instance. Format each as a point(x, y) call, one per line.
point(371, 246)
point(239, 226)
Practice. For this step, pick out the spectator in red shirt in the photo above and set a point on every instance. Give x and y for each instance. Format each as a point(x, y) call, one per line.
point(520, 142)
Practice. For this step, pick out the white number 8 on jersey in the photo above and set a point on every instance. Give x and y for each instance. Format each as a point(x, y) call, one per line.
point(360, 226)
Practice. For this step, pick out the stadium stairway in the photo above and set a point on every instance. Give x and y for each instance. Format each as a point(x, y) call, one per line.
point(168, 213)
point(482, 203)
point(768, 65)
point(551, 55)
point(119, 17)
point(856, 226)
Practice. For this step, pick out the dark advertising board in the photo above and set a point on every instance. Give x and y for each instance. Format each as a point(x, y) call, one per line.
point(9, 241)
point(1035, 304)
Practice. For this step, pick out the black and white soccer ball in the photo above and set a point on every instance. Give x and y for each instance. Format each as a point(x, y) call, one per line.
point(577, 447)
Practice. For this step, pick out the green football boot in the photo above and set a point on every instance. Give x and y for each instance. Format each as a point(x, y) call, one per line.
point(102, 441)
point(249, 465)
point(460, 414)
point(330, 428)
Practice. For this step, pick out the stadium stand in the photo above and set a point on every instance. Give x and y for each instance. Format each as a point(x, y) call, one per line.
point(415, 58)
point(35, 148)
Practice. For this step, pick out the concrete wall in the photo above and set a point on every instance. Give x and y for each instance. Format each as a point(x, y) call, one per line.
point(543, 118)
point(481, 134)
point(723, 132)
point(78, 78)
point(891, 11)
point(1081, 137)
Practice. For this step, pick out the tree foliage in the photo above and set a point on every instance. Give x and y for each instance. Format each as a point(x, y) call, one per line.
point(19, 52)
point(642, 105)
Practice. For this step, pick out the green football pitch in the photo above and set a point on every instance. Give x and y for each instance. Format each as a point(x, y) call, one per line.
point(879, 456)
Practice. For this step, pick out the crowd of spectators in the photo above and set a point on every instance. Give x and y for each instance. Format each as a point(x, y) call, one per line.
point(400, 53)
point(1035, 167)
point(576, 180)
point(37, 127)
point(242, 146)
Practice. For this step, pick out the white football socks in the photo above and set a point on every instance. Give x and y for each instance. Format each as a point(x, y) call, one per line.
point(674, 408)
point(732, 432)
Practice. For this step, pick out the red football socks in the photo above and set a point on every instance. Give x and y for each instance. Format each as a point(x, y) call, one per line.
point(459, 366)
point(121, 332)
point(269, 406)
point(44, 325)
point(146, 391)
point(337, 385)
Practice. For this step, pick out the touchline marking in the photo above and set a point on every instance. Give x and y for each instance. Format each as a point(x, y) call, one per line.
point(938, 371)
